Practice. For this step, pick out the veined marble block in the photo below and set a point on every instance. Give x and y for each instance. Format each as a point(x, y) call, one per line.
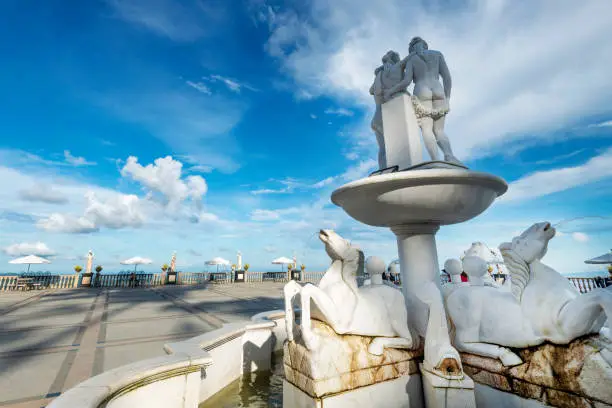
point(342, 362)
point(402, 135)
point(443, 393)
point(575, 375)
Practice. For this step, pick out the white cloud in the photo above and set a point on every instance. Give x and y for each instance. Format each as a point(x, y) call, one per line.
point(607, 123)
point(44, 194)
point(325, 182)
point(339, 112)
point(20, 157)
point(164, 176)
point(270, 249)
point(360, 170)
point(580, 236)
point(186, 122)
point(204, 218)
point(66, 223)
point(264, 215)
point(75, 160)
point(313, 116)
point(269, 191)
point(26, 248)
point(114, 211)
point(552, 181)
point(200, 87)
point(195, 166)
point(511, 74)
point(232, 84)
point(180, 21)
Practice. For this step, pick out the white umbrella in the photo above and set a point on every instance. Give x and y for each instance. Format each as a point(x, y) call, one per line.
point(137, 260)
point(282, 261)
point(30, 259)
point(603, 259)
point(218, 261)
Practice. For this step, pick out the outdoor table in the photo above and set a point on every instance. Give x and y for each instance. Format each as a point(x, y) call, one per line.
point(24, 283)
point(218, 276)
point(280, 276)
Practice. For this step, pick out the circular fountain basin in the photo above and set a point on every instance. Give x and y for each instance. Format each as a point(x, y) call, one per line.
point(429, 196)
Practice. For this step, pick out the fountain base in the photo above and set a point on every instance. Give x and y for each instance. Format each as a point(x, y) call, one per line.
point(342, 363)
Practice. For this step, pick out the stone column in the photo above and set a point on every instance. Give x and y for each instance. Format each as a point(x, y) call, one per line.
point(416, 244)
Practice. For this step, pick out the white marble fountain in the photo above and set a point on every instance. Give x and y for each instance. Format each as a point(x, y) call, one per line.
point(533, 342)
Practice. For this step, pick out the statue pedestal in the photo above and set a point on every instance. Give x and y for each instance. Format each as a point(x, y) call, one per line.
point(576, 375)
point(342, 372)
point(441, 393)
point(403, 147)
point(413, 204)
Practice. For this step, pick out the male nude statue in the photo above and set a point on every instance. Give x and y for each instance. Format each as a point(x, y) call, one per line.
point(424, 67)
point(387, 75)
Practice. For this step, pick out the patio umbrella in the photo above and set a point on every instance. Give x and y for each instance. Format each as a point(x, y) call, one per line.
point(136, 261)
point(30, 259)
point(600, 260)
point(218, 261)
point(282, 261)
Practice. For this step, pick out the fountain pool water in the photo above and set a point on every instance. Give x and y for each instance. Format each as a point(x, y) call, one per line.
point(259, 389)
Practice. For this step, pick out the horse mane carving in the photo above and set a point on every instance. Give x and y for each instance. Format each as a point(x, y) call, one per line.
point(519, 271)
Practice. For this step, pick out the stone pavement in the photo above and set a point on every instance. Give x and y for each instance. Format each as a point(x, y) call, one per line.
point(53, 340)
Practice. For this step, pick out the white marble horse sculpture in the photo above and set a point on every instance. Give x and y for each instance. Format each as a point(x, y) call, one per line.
point(373, 310)
point(541, 306)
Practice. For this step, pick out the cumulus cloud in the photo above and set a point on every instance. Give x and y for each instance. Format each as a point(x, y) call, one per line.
point(115, 212)
point(543, 183)
point(27, 248)
point(511, 73)
point(44, 194)
point(165, 176)
point(67, 223)
point(76, 160)
point(205, 218)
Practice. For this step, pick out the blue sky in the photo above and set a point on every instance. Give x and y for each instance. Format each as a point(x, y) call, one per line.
point(139, 127)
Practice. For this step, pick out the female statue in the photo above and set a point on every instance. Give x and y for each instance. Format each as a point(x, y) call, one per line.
point(388, 76)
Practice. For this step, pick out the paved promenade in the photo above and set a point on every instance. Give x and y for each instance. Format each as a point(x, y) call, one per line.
point(53, 340)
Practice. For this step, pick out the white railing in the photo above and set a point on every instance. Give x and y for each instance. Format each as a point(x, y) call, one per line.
point(585, 285)
point(35, 281)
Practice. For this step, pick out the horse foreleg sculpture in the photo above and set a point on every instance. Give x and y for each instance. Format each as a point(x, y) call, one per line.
point(374, 310)
point(541, 306)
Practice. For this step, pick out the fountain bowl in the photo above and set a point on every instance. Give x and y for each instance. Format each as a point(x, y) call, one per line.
point(429, 196)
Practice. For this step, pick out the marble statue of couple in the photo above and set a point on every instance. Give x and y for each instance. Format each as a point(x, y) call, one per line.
point(424, 67)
